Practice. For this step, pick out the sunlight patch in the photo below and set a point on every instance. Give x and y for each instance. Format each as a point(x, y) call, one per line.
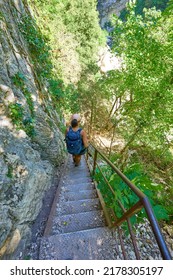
point(5, 122)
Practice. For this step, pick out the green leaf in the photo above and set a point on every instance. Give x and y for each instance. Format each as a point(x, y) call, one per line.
point(160, 212)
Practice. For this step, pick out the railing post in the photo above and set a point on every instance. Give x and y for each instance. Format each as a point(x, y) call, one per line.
point(87, 155)
point(156, 230)
point(143, 201)
point(95, 160)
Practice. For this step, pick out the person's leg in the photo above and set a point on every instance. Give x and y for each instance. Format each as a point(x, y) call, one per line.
point(73, 156)
point(77, 159)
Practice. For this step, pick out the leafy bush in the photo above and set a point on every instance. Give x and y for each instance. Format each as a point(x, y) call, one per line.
point(141, 4)
point(126, 196)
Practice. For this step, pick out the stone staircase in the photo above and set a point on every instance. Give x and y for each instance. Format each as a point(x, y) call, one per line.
point(77, 228)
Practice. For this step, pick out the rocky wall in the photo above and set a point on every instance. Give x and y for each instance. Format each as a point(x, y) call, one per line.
point(29, 154)
point(108, 7)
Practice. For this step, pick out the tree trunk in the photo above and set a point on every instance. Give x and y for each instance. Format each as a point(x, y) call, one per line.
point(112, 140)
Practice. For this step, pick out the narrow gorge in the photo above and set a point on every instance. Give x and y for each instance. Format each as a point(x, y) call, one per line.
point(58, 58)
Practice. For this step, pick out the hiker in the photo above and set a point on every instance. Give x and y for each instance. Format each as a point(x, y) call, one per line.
point(76, 139)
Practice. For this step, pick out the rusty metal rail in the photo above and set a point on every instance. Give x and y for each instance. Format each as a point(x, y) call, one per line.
point(143, 202)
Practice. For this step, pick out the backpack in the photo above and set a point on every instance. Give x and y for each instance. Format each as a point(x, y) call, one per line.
point(74, 141)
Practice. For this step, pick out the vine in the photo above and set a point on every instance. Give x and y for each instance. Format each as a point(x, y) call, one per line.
point(40, 51)
point(17, 111)
point(38, 46)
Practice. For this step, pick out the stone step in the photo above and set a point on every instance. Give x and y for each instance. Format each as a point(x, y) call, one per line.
point(93, 244)
point(86, 205)
point(72, 169)
point(78, 187)
point(76, 169)
point(75, 181)
point(78, 221)
point(72, 166)
point(77, 176)
point(81, 194)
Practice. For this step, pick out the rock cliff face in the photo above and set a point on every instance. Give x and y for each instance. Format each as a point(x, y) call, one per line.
point(30, 147)
point(108, 7)
point(106, 60)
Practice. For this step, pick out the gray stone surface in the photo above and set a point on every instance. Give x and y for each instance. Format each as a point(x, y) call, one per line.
point(24, 179)
point(26, 165)
point(108, 7)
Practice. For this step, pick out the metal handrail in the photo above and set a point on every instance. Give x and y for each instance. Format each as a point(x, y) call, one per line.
point(142, 203)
